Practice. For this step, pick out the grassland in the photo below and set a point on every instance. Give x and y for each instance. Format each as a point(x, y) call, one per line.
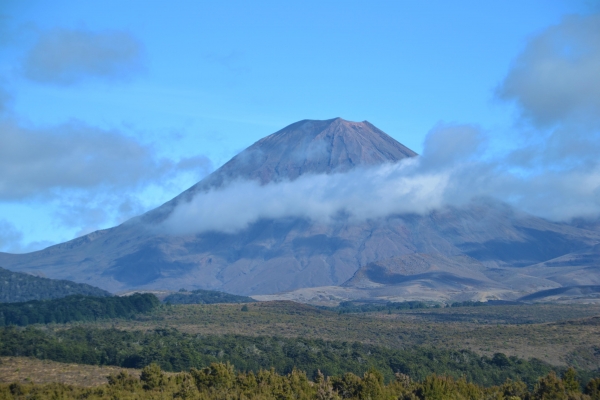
point(558, 334)
point(561, 335)
point(30, 370)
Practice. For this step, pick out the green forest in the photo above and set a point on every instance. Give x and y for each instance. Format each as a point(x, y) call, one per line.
point(221, 381)
point(205, 297)
point(75, 308)
point(20, 287)
point(176, 351)
point(273, 349)
point(351, 307)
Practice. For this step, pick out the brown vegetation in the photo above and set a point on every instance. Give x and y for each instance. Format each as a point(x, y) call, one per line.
point(220, 381)
point(30, 370)
point(558, 334)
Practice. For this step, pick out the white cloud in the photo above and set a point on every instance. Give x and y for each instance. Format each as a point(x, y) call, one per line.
point(449, 173)
point(40, 161)
point(85, 177)
point(359, 194)
point(557, 76)
point(555, 83)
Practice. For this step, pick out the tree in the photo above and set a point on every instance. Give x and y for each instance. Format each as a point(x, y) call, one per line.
point(570, 381)
point(550, 387)
point(217, 375)
point(152, 377)
point(593, 389)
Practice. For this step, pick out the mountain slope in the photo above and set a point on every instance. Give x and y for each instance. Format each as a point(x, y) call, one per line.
point(133, 255)
point(314, 147)
point(304, 147)
point(284, 254)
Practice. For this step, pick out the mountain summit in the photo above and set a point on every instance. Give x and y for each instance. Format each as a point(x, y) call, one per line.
point(309, 146)
point(304, 147)
point(315, 147)
point(484, 250)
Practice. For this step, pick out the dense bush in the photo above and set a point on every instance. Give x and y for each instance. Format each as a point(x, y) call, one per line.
point(220, 381)
point(205, 297)
point(347, 307)
point(176, 351)
point(75, 308)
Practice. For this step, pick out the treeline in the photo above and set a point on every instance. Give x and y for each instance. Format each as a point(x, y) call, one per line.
point(346, 307)
point(176, 351)
point(75, 308)
point(470, 303)
point(221, 381)
point(20, 287)
point(205, 297)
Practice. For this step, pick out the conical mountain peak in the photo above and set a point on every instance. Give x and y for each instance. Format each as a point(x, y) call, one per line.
point(443, 255)
point(304, 147)
point(314, 146)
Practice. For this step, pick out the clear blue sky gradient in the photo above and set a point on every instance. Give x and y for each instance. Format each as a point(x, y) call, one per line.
point(217, 76)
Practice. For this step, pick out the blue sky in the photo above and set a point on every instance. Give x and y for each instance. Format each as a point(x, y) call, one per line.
point(112, 108)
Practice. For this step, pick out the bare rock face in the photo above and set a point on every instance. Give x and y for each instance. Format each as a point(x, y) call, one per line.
point(471, 252)
point(317, 147)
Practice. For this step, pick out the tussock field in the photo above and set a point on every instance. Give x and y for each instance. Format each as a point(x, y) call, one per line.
point(474, 348)
point(557, 334)
point(30, 370)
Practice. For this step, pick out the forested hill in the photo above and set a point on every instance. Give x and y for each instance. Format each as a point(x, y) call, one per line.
point(76, 308)
point(177, 351)
point(205, 297)
point(19, 287)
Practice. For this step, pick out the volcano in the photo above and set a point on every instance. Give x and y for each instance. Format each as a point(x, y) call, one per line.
point(483, 250)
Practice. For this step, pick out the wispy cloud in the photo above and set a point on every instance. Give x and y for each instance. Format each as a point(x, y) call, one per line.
point(11, 239)
point(67, 56)
point(233, 61)
point(557, 76)
point(37, 161)
point(356, 195)
point(86, 177)
point(9, 235)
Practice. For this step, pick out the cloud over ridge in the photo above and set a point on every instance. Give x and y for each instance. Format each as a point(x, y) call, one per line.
point(451, 172)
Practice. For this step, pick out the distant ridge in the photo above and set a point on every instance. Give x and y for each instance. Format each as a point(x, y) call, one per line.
point(18, 287)
point(567, 291)
point(205, 297)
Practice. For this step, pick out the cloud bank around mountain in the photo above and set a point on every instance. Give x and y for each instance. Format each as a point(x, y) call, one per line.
point(418, 185)
point(552, 172)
